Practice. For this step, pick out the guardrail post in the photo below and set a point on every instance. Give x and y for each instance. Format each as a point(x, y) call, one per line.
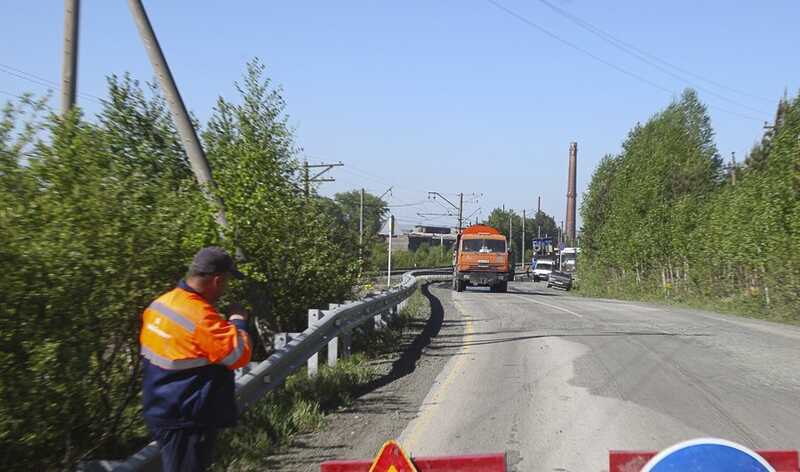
point(281, 340)
point(313, 362)
point(379, 322)
point(333, 352)
point(333, 344)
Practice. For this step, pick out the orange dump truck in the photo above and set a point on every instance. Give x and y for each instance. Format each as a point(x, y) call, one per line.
point(482, 259)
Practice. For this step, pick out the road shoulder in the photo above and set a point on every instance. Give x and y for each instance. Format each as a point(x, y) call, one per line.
point(391, 401)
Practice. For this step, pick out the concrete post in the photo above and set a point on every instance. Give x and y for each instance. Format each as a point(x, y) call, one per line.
point(183, 124)
point(313, 362)
point(379, 322)
point(69, 69)
point(343, 341)
point(391, 236)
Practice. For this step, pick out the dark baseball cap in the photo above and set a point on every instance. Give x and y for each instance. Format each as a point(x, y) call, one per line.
point(214, 260)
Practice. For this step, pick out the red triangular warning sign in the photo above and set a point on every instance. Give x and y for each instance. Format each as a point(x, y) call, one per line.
point(392, 459)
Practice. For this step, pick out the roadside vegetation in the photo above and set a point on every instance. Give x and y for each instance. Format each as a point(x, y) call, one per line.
point(424, 256)
point(666, 220)
point(100, 215)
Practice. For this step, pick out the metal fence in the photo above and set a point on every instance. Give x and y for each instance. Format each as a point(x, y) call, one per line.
point(325, 329)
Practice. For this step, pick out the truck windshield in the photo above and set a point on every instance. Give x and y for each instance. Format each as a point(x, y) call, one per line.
point(483, 245)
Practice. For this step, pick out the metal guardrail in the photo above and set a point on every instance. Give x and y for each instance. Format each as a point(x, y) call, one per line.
point(270, 373)
point(402, 270)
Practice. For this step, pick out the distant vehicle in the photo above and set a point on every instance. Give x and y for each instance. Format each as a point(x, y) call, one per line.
point(542, 269)
point(560, 280)
point(482, 258)
point(569, 259)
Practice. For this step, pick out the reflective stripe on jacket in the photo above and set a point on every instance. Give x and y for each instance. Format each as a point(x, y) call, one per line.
point(190, 352)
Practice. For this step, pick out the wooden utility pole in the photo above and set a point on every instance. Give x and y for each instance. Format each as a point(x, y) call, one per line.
point(69, 68)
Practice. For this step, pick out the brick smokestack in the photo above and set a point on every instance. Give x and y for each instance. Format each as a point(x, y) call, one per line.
point(571, 184)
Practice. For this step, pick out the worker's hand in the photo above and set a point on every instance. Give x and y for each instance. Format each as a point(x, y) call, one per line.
point(236, 310)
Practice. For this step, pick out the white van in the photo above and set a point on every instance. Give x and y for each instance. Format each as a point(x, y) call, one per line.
point(542, 269)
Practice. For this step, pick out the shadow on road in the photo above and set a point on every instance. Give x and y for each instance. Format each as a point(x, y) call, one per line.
point(412, 352)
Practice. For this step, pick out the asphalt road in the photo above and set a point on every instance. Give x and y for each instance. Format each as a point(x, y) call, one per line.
point(557, 381)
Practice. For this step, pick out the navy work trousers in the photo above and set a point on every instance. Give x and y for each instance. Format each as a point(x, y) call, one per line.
point(185, 450)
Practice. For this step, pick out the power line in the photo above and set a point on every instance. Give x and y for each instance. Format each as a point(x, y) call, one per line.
point(21, 74)
point(373, 205)
point(656, 58)
point(370, 176)
point(12, 95)
point(646, 57)
point(622, 70)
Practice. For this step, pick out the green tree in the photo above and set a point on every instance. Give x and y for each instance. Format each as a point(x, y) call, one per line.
point(505, 220)
point(375, 212)
point(659, 220)
point(293, 259)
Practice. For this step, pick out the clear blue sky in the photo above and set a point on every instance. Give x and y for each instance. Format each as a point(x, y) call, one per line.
point(440, 95)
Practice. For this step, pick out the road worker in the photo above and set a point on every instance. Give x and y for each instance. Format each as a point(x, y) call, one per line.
point(189, 355)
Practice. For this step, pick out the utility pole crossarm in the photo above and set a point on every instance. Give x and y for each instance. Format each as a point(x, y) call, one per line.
point(389, 191)
point(307, 181)
point(326, 168)
point(472, 214)
point(437, 194)
point(335, 164)
point(435, 214)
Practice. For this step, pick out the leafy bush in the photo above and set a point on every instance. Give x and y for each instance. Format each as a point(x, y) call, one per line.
point(100, 217)
point(424, 256)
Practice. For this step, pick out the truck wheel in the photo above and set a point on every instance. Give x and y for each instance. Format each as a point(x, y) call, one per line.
point(502, 287)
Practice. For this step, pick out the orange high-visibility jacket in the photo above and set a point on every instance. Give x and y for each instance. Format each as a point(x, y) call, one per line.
point(190, 351)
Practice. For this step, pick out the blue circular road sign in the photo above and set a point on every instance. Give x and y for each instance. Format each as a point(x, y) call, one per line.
point(707, 455)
